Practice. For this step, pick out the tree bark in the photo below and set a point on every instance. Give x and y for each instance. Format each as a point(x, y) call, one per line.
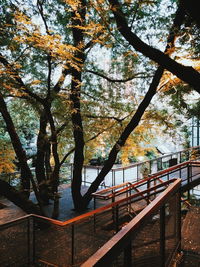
point(42, 147)
point(78, 39)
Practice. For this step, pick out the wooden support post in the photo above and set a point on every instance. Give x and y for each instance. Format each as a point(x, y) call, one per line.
point(29, 242)
point(162, 236)
point(188, 180)
point(33, 240)
point(117, 219)
point(148, 188)
point(178, 223)
point(72, 245)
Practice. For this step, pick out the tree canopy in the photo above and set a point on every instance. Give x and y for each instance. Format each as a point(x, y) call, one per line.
point(80, 76)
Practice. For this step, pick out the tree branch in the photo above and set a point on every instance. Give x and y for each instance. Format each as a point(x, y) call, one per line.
point(15, 75)
point(134, 76)
point(187, 74)
point(137, 115)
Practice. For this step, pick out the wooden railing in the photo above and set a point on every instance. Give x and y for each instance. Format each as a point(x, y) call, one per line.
point(187, 171)
point(119, 175)
point(123, 241)
point(134, 172)
point(36, 238)
point(41, 239)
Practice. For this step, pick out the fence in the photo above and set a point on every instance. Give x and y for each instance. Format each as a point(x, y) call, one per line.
point(36, 241)
point(138, 171)
point(188, 172)
point(33, 239)
point(150, 239)
point(133, 172)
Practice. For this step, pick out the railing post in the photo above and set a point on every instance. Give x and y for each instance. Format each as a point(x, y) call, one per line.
point(162, 236)
point(128, 255)
point(150, 165)
point(117, 218)
point(178, 231)
point(112, 178)
point(72, 245)
point(84, 169)
point(123, 175)
point(148, 187)
point(29, 241)
point(94, 216)
point(33, 260)
point(188, 179)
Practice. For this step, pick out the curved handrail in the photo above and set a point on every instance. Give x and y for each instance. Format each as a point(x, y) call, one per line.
point(90, 213)
point(122, 239)
point(143, 162)
point(130, 185)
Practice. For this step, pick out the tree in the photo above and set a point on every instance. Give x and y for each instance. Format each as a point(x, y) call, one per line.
point(31, 55)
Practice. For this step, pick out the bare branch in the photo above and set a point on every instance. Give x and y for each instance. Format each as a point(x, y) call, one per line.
point(87, 141)
point(109, 117)
point(41, 11)
point(134, 76)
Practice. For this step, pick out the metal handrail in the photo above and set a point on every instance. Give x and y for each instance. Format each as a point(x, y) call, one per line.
point(122, 239)
point(152, 191)
point(114, 169)
point(114, 190)
point(83, 216)
point(147, 161)
point(91, 213)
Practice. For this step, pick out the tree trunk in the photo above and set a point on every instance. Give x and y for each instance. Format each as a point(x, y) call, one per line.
point(138, 114)
point(78, 38)
point(18, 199)
point(42, 145)
point(26, 174)
point(123, 137)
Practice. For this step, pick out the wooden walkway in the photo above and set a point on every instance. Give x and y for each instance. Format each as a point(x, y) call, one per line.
point(191, 238)
point(191, 231)
point(99, 229)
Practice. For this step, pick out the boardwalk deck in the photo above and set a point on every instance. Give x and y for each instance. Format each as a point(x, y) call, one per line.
point(191, 238)
point(104, 228)
point(191, 231)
